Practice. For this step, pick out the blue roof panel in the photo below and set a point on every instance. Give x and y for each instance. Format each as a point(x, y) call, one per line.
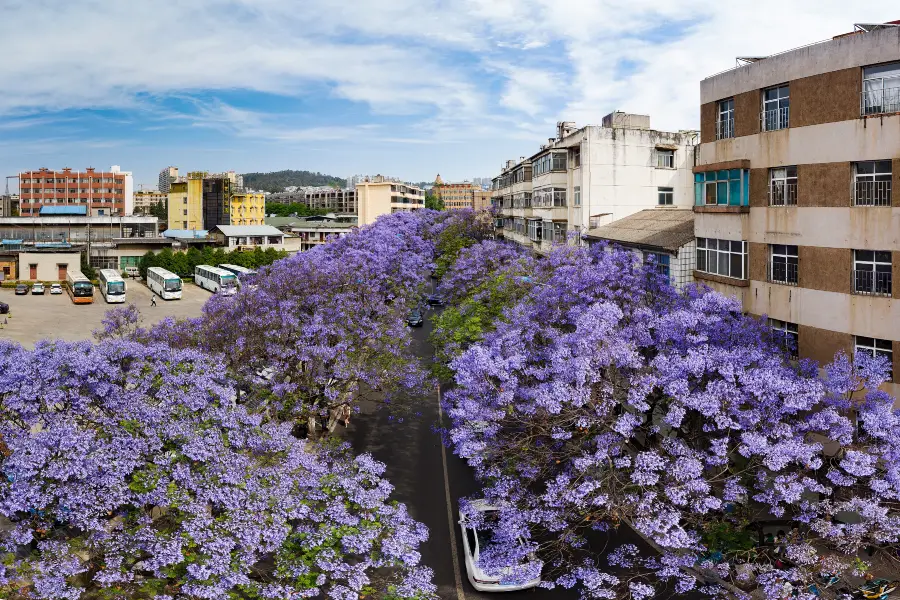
point(63, 210)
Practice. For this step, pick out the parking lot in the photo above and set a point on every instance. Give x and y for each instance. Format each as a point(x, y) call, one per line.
point(36, 318)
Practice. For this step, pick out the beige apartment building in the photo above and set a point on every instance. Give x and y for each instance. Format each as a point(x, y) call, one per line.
point(144, 200)
point(794, 206)
point(378, 197)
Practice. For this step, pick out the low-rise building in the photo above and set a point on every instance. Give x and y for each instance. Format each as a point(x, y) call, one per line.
point(378, 197)
point(248, 237)
point(308, 233)
point(48, 264)
point(664, 237)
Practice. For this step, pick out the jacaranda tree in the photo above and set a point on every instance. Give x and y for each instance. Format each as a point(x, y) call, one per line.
point(603, 398)
point(128, 472)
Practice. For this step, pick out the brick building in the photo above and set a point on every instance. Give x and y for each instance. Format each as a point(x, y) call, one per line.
point(103, 192)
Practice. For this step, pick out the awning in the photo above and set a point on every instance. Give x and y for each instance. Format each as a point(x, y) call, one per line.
point(12, 242)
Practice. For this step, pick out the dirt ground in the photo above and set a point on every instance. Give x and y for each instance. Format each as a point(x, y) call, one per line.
point(34, 318)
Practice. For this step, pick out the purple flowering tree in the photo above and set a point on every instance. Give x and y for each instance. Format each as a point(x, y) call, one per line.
point(128, 472)
point(605, 398)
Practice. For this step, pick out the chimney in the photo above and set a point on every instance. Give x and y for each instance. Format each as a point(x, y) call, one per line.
point(521, 159)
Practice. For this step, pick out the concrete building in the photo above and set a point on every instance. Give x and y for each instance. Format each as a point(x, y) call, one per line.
point(310, 232)
point(481, 199)
point(795, 215)
point(378, 197)
point(144, 200)
point(9, 205)
point(167, 177)
point(248, 237)
point(48, 264)
point(663, 236)
point(248, 208)
point(591, 176)
point(455, 195)
point(104, 193)
point(203, 201)
point(338, 201)
point(185, 202)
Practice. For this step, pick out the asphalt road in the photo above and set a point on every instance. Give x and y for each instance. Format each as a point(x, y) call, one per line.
point(412, 453)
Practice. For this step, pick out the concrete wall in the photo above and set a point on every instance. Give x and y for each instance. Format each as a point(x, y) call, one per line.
point(47, 264)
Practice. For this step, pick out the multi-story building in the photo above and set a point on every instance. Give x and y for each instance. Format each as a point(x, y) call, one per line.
point(202, 201)
point(9, 205)
point(103, 193)
point(339, 201)
point(144, 200)
point(378, 197)
point(794, 206)
point(455, 195)
point(591, 176)
point(481, 199)
point(167, 177)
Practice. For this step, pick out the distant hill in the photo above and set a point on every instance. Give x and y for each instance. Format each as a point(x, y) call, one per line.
point(278, 180)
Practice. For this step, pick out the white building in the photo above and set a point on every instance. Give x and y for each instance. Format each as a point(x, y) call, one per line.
point(588, 177)
point(129, 188)
point(166, 178)
point(248, 237)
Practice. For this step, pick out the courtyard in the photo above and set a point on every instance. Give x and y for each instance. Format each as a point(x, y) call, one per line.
point(34, 318)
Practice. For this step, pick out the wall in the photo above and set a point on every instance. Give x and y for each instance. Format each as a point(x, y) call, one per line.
point(47, 264)
point(374, 201)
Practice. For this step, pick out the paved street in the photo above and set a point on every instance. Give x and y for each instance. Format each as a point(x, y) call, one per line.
point(56, 317)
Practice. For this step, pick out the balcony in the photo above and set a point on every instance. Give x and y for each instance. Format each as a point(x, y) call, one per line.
point(724, 129)
point(872, 193)
point(879, 102)
point(871, 283)
point(782, 194)
point(783, 273)
point(773, 120)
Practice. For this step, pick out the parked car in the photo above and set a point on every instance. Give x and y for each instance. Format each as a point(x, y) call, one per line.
point(4, 308)
point(21, 289)
point(38, 288)
point(55, 288)
point(434, 300)
point(473, 539)
point(415, 318)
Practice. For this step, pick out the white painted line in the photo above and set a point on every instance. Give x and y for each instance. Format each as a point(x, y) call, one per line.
point(460, 594)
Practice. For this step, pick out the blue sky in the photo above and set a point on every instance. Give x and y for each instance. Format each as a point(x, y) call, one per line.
point(408, 88)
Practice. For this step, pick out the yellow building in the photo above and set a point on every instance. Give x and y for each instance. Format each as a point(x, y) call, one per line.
point(379, 197)
point(186, 203)
point(248, 208)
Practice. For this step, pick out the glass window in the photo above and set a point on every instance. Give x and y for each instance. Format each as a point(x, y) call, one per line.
point(881, 89)
point(577, 195)
point(726, 187)
point(783, 264)
point(665, 159)
point(666, 196)
point(722, 257)
point(783, 186)
point(659, 262)
point(875, 347)
point(725, 119)
point(872, 183)
point(786, 335)
point(872, 272)
point(776, 108)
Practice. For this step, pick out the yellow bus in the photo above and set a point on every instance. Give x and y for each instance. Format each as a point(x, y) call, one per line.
point(80, 288)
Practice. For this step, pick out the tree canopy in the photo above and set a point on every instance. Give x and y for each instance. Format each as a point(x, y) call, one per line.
point(276, 181)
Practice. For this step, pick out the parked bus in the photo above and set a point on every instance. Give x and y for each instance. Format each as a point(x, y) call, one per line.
point(112, 286)
point(243, 274)
point(80, 288)
point(163, 283)
point(215, 280)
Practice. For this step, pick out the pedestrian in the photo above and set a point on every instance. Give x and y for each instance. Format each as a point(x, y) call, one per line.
point(152, 300)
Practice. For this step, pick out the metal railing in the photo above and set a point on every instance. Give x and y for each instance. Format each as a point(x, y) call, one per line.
point(879, 102)
point(786, 273)
point(782, 193)
point(872, 193)
point(724, 129)
point(772, 120)
point(871, 283)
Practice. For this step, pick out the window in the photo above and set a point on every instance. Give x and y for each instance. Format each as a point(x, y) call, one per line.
point(875, 347)
point(776, 108)
point(727, 187)
point(881, 89)
point(577, 195)
point(184, 226)
point(783, 264)
point(185, 212)
point(184, 200)
point(725, 119)
point(783, 186)
point(722, 257)
point(535, 230)
point(559, 232)
point(872, 183)
point(665, 159)
point(786, 335)
point(659, 263)
point(553, 161)
point(666, 196)
point(872, 272)
point(576, 157)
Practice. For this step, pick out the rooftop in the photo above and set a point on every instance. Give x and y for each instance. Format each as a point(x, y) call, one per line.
point(239, 230)
point(655, 228)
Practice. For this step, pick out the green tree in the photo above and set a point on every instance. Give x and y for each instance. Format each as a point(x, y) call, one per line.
point(86, 269)
point(276, 181)
point(433, 202)
point(295, 208)
point(160, 210)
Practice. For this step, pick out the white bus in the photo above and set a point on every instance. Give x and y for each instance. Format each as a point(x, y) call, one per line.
point(242, 273)
point(215, 280)
point(163, 283)
point(112, 286)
